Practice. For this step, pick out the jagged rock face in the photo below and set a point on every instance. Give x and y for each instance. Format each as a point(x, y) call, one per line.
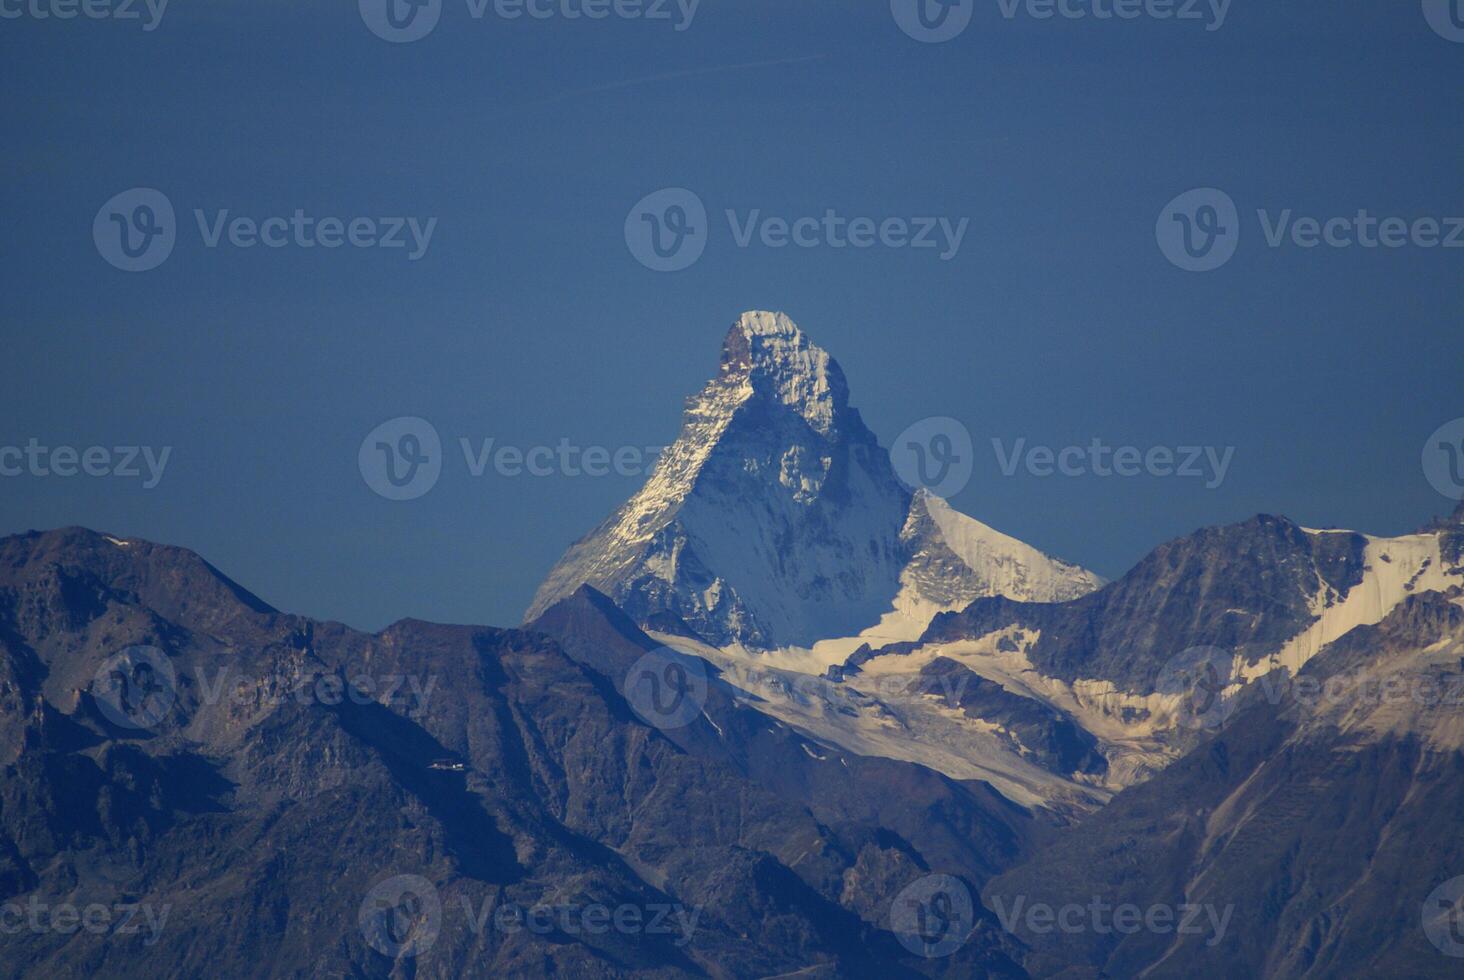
point(1030, 727)
point(977, 830)
point(257, 822)
point(776, 519)
point(1249, 599)
point(775, 516)
point(953, 559)
point(1246, 587)
point(1322, 823)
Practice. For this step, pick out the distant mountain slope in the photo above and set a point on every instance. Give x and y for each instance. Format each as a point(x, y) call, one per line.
point(775, 519)
point(254, 813)
point(1061, 703)
point(1248, 587)
point(961, 827)
point(1322, 815)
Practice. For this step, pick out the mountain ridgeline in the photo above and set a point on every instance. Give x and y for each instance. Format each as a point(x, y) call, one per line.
point(254, 814)
point(776, 519)
point(904, 744)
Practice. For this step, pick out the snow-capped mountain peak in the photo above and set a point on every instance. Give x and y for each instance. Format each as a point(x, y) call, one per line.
point(776, 520)
point(766, 354)
point(1012, 568)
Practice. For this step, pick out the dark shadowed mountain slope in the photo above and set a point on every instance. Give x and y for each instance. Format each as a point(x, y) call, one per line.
point(957, 827)
point(1323, 817)
point(1246, 587)
point(260, 783)
point(1090, 689)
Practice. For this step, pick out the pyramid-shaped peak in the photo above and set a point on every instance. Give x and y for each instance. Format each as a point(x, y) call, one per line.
point(776, 520)
point(766, 323)
point(769, 353)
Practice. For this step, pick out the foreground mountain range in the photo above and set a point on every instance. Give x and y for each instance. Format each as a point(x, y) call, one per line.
point(265, 795)
point(781, 714)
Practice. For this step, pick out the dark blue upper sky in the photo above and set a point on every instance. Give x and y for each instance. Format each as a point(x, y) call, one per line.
point(528, 319)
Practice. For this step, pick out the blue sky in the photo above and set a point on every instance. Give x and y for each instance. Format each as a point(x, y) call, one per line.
point(528, 320)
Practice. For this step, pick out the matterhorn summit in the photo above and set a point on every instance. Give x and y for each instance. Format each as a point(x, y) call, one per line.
point(776, 520)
